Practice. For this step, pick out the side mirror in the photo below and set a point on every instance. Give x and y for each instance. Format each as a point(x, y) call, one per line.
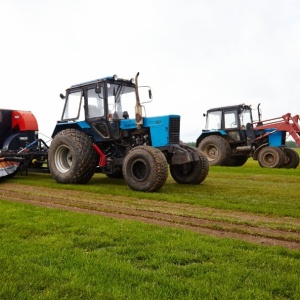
point(62, 96)
point(150, 94)
point(98, 88)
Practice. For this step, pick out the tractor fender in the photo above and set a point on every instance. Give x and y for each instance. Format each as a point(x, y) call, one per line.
point(206, 133)
point(83, 126)
point(256, 151)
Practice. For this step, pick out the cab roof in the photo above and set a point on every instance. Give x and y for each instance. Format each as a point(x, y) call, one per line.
point(113, 78)
point(231, 107)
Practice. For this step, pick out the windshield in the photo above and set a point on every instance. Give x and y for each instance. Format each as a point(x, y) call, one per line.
point(246, 117)
point(120, 98)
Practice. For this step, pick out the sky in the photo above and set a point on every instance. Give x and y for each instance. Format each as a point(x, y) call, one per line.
point(194, 54)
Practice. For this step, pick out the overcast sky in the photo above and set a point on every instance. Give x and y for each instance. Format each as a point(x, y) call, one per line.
point(195, 54)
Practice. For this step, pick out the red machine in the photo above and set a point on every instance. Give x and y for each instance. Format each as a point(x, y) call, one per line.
point(19, 142)
point(286, 123)
point(272, 151)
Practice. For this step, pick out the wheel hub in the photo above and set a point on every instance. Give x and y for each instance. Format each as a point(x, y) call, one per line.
point(63, 159)
point(139, 170)
point(212, 153)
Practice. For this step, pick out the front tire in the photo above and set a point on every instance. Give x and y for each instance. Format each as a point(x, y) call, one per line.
point(292, 158)
point(271, 157)
point(71, 157)
point(145, 169)
point(191, 173)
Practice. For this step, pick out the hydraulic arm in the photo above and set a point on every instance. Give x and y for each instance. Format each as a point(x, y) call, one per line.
point(285, 123)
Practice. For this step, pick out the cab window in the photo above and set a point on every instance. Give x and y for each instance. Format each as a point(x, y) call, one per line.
point(95, 104)
point(230, 119)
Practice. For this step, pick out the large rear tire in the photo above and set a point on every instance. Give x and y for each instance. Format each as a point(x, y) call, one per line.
point(145, 169)
point(292, 158)
point(191, 173)
point(71, 157)
point(216, 149)
point(271, 157)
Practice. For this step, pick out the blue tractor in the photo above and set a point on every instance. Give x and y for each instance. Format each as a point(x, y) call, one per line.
point(231, 136)
point(96, 134)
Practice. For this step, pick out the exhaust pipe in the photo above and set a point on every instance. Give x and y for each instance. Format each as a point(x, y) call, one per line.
point(138, 106)
point(259, 113)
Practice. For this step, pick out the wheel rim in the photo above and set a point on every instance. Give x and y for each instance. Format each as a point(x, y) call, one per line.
point(186, 169)
point(211, 152)
point(139, 170)
point(63, 159)
point(269, 158)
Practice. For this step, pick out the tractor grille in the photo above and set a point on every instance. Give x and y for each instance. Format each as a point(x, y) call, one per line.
point(174, 130)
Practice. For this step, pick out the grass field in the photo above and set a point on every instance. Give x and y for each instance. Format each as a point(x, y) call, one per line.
point(58, 254)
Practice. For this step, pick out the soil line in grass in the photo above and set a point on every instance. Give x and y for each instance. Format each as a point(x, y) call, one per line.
point(254, 228)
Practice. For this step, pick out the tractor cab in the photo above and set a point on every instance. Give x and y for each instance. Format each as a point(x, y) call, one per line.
point(101, 105)
point(229, 120)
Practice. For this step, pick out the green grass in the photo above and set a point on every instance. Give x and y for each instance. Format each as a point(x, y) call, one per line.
point(249, 188)
point(54, 254)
